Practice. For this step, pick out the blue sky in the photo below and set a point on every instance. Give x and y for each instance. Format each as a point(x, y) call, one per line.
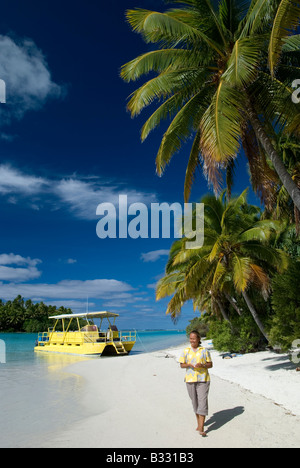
point(67, 144)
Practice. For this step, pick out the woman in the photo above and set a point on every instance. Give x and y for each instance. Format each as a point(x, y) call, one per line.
point(196, 360)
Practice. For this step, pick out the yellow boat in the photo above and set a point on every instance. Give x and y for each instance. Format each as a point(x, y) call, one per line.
point(89, 340)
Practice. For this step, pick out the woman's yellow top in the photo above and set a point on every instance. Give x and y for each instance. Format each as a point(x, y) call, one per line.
point(200, 356)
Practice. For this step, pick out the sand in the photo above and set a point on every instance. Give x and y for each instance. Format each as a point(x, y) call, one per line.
point(140, 401)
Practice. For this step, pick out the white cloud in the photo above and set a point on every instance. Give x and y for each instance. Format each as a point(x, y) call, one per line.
point(16, 274)
point(154, 255)
point(13, 181)
point(70, 289)
point(12, 259)
point(83, 197)
point(76, 306)
point(19, 275)
point(80, 196)
point(28, 80)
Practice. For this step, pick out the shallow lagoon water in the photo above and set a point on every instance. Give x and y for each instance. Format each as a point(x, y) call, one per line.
point(38, 397)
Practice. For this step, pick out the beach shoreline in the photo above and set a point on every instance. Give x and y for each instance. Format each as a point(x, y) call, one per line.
point(140, 401)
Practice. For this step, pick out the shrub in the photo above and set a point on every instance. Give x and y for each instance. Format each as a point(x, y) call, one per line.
point(285, 326)
point(200, 324)
point(242, 337)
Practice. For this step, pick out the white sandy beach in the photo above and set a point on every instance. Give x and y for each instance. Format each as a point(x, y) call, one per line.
point(140, 401)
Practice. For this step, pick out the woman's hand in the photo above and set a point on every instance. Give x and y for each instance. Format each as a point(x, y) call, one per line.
point(187, 366)
point(200, 366)
point(206, 365)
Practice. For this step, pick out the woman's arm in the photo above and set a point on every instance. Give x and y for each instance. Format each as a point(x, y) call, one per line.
point(207, 365)
point(186, 366)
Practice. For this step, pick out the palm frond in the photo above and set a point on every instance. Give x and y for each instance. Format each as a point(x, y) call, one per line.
point(231, 221)
point(173, 105)
point(241, 272)
point(167, 110)
point(221, 125)
point(276, 259)
point(193, 164)
point(291, 43)
point(168, 285)
point(183, 125)
point(230, 13)
point(261, 279)
point(216, 251)
point(261, 231)
point(274, 100)
point(176, 303)
point(186, 255)
point(285, 23)
point(157, 27)
point(213, 209)
point(162, 86)
point(157, 61)
point(259, 16)
point(242, 67)
point(220, 272)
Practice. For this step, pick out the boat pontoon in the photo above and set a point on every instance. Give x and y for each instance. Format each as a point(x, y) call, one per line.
point(89, 340)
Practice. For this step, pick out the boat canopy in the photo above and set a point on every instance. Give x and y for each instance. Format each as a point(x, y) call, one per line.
point(89, 315)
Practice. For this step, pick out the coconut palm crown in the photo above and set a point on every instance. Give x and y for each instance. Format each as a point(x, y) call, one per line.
point(237, 258)
point(223, 76)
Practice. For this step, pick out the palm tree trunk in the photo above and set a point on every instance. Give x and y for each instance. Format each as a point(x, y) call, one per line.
point(266, 143)
point(233, 303)
point(222, 310)
point(254, 314)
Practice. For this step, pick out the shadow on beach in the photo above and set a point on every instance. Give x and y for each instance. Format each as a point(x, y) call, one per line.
point(280, 362)
point(223, 417)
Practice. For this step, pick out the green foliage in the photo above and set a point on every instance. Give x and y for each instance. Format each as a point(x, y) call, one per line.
point(21, 316)
point(242, 337)
point(213, 64)
point(200, 324)
point(285, 326)
point(237, 260)
point(289, 241)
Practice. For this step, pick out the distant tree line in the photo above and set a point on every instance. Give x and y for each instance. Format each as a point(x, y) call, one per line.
point(29, 317)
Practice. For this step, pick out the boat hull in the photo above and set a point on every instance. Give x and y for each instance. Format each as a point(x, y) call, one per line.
point(85, 349)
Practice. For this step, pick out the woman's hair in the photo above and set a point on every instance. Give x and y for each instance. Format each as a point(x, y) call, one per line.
point(195, 332)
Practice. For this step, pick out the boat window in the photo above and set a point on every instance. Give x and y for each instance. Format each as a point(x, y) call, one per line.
point(89, 328)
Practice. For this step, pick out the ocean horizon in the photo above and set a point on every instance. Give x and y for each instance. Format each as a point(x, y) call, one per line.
point(38, 397)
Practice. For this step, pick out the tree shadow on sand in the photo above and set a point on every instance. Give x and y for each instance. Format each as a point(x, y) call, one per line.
point(223, 417)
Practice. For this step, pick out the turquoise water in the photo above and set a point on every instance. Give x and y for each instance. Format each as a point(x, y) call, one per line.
point(37, 396)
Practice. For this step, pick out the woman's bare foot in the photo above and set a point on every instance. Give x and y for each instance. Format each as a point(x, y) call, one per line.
point(201, 422)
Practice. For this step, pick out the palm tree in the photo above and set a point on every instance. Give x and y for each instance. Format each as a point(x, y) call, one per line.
point(219, 74)
point(285, 209)
point(236, 259)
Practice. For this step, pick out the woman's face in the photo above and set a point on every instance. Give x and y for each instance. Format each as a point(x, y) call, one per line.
point(194, 340)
